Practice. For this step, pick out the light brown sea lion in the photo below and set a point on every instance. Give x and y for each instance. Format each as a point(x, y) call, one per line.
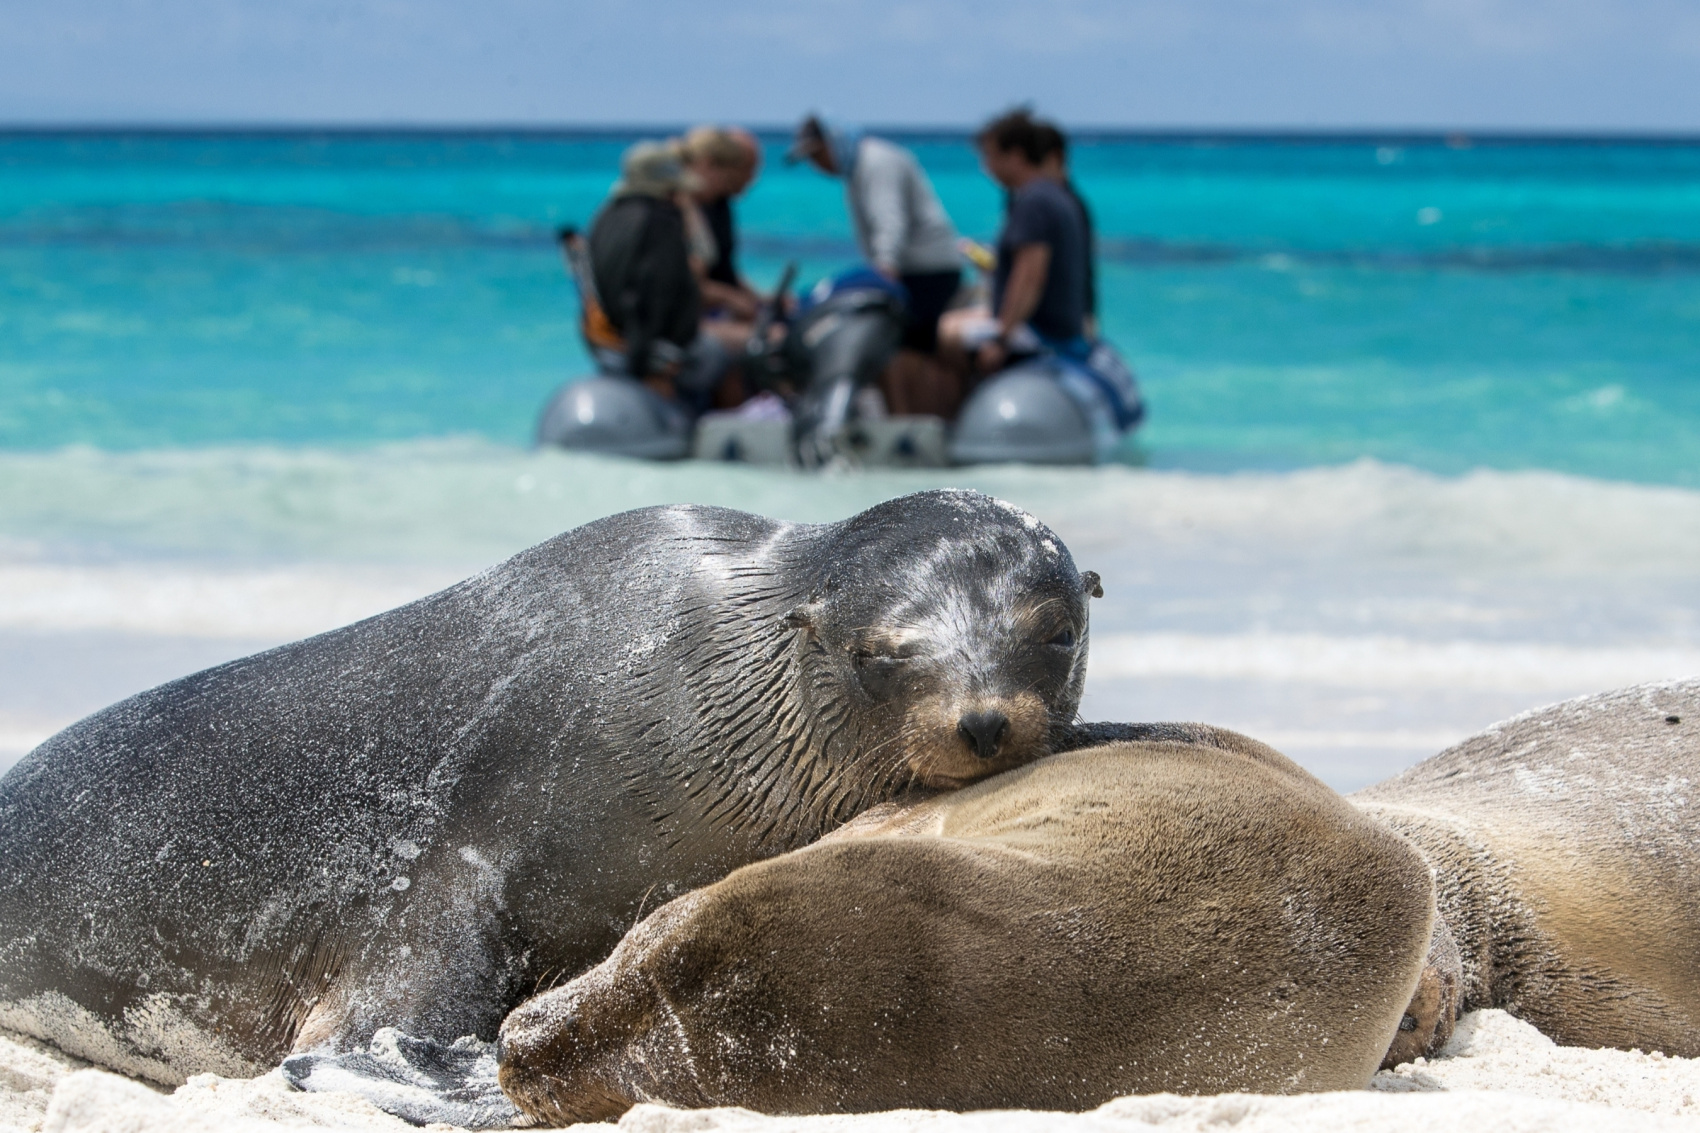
point(1137, 917)
point(1566, 845)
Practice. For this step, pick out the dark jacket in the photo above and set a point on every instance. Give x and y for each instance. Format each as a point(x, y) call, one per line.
point(718, 214)
point(639, 258)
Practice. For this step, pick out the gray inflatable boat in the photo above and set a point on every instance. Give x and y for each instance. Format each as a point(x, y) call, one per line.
point(1048, 409)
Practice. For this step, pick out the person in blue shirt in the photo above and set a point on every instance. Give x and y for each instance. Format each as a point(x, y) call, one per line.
point(1056, 168)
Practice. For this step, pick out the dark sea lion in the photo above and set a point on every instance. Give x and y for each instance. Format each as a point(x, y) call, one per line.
point(415, 820)
point(1566, 846)
point(1154, 916)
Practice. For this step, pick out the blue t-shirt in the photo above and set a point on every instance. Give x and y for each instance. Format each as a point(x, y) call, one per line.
point(1042, 212)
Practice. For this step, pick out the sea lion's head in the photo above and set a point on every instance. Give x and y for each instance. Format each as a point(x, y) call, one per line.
point(944, 635)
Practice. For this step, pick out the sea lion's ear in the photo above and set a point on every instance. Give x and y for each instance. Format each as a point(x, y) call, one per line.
point(1089, 583)
point(806, 616)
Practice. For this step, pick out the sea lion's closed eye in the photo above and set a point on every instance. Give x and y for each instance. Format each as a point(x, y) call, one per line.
point(880, 674)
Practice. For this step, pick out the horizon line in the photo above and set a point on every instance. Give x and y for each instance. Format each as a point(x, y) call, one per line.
point(1457, 137)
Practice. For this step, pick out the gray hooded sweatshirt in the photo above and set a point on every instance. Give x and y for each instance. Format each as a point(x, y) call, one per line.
point(899, 220)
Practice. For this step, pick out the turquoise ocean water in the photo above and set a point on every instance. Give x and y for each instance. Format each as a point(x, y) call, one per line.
point(1423, 450)
point(1286, 303)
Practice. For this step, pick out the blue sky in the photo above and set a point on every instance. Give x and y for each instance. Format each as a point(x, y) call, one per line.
point(1504, 64)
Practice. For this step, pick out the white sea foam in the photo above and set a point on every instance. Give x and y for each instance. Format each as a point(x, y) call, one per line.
point(267, 542)
point(192, 600)
point(1383, 662)
point(472, 501)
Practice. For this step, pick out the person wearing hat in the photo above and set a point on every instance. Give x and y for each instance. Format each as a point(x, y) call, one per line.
point(906, 235)
point(647, 292)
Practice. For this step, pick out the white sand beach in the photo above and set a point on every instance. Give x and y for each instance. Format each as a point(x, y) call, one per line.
point(1498, 1075)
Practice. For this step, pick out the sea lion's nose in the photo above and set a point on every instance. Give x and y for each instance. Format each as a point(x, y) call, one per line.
point(983, 731)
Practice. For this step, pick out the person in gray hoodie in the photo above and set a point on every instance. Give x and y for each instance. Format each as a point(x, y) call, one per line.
point(905, 234)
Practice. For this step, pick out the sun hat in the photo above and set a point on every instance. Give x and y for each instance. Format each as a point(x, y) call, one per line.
point(843, 142)
point(811, 132)
point(652, 169)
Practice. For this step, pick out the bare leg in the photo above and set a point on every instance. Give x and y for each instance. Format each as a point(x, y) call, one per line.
point(733, 334)
point(896, 381)
point(918, 383)
point(730, 393)
point(958, 335)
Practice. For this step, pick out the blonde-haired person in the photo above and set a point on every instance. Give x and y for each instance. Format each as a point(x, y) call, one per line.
point(722, 161)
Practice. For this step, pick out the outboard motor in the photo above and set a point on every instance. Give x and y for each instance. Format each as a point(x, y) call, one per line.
point(1050, 409)
point(617, 416)
point(845, 333)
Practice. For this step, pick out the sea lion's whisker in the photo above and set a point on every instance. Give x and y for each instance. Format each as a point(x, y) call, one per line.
point(641, 902)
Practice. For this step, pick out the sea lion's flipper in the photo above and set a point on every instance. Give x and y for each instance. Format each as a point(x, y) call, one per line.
point(418, 1080)
point(1073, 737)
point(1428, 1022)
